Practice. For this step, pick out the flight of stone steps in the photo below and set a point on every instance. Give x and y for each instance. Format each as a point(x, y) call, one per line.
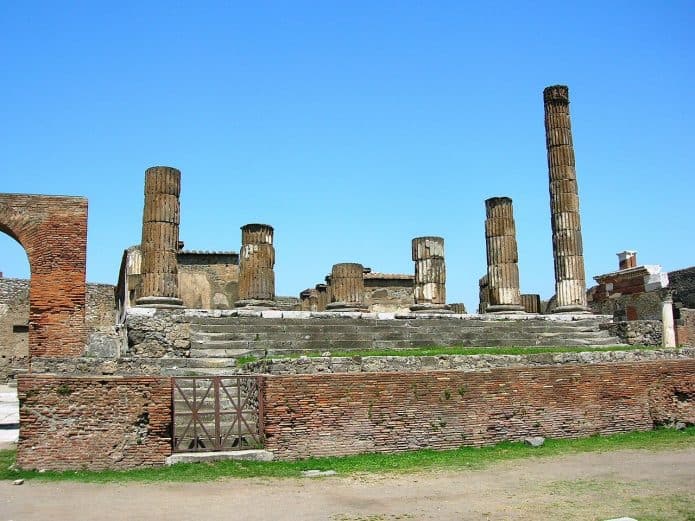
point(216, 342)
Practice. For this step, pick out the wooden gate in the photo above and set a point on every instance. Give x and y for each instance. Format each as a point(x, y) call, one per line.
point(217, 413)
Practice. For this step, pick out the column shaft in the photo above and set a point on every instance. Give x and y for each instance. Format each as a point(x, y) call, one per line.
point(430, 274)
point(570, 280)
point(502, 257)
point(256, 263)
point(347, 287)
point(160, 237)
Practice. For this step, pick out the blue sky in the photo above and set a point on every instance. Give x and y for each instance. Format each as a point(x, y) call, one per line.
point(352, 127)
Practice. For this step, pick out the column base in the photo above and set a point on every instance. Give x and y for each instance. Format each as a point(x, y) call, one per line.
point(442, 309)
point(505, 308)
point(346, 306)
point(573, 308)
point(159, 302)
point(254, 303)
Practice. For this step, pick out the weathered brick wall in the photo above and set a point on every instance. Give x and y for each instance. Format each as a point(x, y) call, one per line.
point(100, 315)
point(685, 328)
point(93, 422)
point(53, 232)
point(317, 415)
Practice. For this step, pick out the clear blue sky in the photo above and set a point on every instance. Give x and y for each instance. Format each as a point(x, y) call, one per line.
point(352, 127)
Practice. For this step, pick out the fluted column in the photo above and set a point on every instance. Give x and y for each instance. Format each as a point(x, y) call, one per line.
point(502, 257)
point(430, 275)
point(347, 287)
point(256, 262)
point(160, 237)
point(570, 280)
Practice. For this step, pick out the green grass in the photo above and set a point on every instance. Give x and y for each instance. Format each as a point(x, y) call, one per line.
point(458, 459)
point(456, 350)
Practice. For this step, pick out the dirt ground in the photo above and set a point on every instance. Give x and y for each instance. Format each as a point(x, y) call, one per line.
point(639, 484)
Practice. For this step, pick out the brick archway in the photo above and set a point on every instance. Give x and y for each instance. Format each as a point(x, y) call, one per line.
point(53, 232)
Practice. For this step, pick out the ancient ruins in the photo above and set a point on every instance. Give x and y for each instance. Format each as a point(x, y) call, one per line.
point(194, 351)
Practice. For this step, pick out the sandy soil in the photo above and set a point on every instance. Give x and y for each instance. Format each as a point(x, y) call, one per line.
point(585, 486)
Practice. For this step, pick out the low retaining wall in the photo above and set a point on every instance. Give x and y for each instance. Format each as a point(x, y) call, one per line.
point(338, 414)
point(93, 422)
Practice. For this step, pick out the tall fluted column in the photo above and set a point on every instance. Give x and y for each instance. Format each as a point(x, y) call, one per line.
point(256, 262)
point(160, 238)
point(347, 287)
point(570, 281)
point(430, 275)
point(502, 257)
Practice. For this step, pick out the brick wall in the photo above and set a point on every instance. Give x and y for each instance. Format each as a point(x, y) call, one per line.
point(685, 328)
point(53, 232)
point(93, 422)
point(317, 415)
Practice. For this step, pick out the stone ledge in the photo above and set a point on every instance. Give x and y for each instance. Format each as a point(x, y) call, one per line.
point(206, 457)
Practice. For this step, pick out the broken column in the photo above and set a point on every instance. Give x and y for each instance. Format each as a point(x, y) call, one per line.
point(256, 262)
point(160, 238)
point(430, 275)
point(570, 284)
point(347, 287)
point(668, 326)
point(502, 257)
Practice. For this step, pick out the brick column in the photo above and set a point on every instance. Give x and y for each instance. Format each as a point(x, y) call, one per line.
point(430, 275)
point(160, 238)
point(570, 283)
point(256, 262)
point(502, 257)
point(347, 287)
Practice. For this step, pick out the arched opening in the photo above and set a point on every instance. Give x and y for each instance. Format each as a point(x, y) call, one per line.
point(14, 307)
point(53, 232)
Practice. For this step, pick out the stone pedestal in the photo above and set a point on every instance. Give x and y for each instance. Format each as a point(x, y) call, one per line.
point(160, 238)
point(347, 287)
point(256, 263)
point(502, 257)
point(570, 280)
point(430, 275)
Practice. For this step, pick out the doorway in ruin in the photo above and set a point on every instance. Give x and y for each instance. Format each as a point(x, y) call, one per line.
point(14, 308)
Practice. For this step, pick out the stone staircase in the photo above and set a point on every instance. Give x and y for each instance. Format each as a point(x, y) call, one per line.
point(216, 342)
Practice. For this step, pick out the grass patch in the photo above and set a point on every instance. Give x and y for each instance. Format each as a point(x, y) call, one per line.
point(466, 351)
point(458, 459)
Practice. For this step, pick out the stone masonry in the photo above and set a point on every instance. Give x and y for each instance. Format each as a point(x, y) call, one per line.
point(256, 262)
point(160, 238)
point(502, 257)
point(570, 283)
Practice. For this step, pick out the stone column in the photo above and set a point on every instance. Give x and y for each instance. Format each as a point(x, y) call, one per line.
point(256, 262)
point(347, 287)
point(483, 294)
point(502, 257)
point(669, 329)
point(160, 238)
point(570, 283)
point(430, 275)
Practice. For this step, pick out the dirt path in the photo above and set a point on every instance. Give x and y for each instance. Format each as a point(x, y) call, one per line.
point(581, 487)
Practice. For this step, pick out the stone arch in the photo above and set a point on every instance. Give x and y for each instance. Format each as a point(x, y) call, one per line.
point(53, 232)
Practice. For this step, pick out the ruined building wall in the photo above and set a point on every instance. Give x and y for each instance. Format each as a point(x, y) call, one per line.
point(208, 280)
point(100, 315)
point(340, 414)
point(53, 232)
point(388, 293)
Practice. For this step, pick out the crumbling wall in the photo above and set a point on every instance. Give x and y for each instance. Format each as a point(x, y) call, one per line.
point(93, 422)
point(208, 280)
point(53, 232)
point(100, 316)
point(685, 328)
point(327, 415)
point(637, 332)
point(384, 293)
